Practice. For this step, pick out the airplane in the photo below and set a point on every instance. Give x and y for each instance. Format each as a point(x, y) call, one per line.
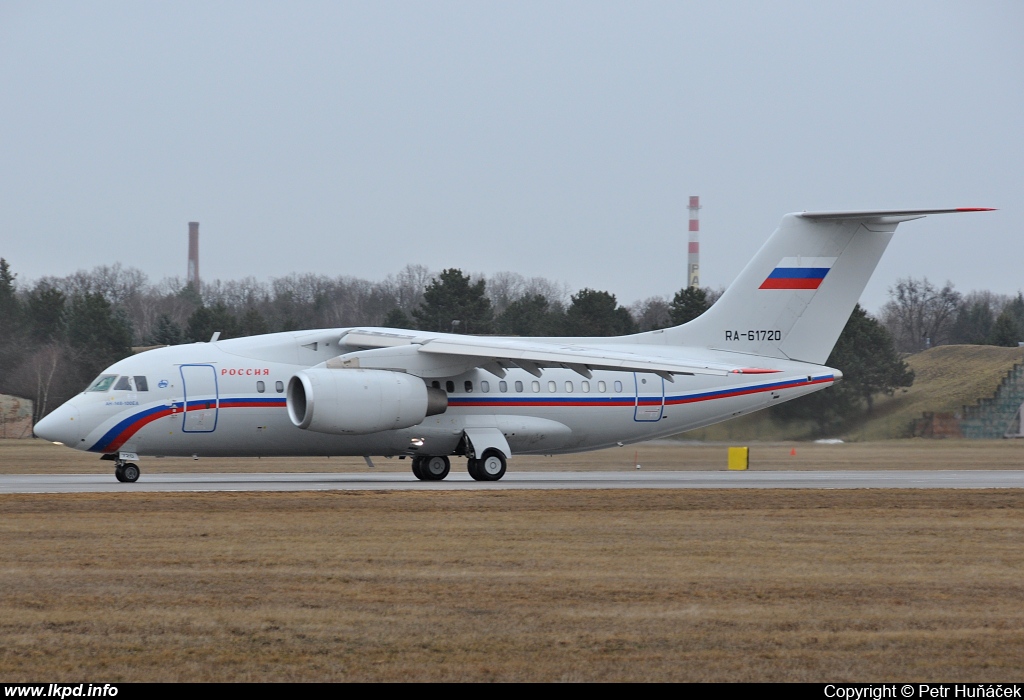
point(426, 396)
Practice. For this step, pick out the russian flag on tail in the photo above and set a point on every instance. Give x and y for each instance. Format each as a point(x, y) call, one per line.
point(798, 273)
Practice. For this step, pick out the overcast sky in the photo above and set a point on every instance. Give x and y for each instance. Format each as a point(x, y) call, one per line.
point(557, 139)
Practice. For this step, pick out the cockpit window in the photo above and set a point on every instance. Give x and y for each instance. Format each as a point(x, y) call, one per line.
point(123, 384)
point(141, 384)
point(102, 382)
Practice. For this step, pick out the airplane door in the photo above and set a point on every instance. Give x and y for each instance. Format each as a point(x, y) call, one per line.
point(650, 397)
point(202, 402)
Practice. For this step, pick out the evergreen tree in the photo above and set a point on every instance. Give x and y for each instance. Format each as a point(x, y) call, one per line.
point(207, 320)
point(973, 324)
point(12, 344)
point(397, 318)
point(8, 293)
point(596, 313)
point(166, 332)
point(46, 313)
point(252, 323)
point(1008, 329)
point(530, 316)
point(688, 304)
point(97, 336)
point(452, 302)
point(866, 355)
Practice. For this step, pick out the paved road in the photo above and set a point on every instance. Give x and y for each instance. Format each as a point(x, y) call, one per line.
point(105, 483)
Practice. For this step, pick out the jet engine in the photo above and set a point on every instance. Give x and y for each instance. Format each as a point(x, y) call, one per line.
point(360, 401)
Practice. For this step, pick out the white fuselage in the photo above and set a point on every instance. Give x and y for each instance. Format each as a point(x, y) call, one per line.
point(227, 398)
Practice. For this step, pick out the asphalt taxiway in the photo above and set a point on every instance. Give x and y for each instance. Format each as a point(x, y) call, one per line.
point(390, 481)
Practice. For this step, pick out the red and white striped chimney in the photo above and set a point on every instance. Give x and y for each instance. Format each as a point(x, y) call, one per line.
point(693, 257)
point(193, 255)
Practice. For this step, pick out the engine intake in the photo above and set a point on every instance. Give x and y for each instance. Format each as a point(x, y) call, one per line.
point(360, 401)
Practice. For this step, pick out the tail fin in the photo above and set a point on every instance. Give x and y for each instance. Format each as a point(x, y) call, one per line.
point(794, 298)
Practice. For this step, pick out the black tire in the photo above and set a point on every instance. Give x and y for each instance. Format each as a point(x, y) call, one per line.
point(491, 467)
point(119, 474)
point(472, 466)
point(417, 468)
point(130, 472)
point(435, 468)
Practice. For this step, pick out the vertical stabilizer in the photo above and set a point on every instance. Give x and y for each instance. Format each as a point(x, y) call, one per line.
point(794, 298)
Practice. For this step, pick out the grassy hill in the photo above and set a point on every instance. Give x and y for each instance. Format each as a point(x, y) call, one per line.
point(946, 378)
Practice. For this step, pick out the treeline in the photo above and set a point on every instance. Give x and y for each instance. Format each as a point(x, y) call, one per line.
point(920, 315)
point(58, 333)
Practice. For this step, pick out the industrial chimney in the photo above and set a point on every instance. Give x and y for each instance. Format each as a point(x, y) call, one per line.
point(693, 253)
point(193, 254)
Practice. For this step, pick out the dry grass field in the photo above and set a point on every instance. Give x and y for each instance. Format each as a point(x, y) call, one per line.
point(513, 586)
point(841, 585)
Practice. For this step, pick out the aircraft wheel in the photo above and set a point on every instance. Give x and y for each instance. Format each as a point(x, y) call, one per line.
point(119, 473)
point(417, 468)
point(130, 473)
point(492, 466)
point(435, 468)
point(473, 467)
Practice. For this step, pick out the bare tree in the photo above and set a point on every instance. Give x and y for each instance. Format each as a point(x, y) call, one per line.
point(919, 315)
point(35, 378)
point(652, 313)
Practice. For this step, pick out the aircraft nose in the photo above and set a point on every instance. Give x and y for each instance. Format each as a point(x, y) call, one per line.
point(64, 425)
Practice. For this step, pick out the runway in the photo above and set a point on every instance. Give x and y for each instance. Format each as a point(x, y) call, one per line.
point(390, 481)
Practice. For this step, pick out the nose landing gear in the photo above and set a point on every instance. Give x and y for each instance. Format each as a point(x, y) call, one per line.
point(126, 472)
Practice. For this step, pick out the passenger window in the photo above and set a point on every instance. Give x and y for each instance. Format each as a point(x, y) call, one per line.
point(123, 384)
point(552, 387)
point(469, 386)
point(279, 386)
point(535, 386)
point(261, 387)
point(519, 387)
point(618, 386)
point(585, 386)
point(602, 387)
point(568, 387)
point(449, 386)
point(436, 384)
point(485, 386)
point(503, 386)
point(141, 384)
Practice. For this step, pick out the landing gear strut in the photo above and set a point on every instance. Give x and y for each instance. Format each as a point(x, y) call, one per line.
point(126, 472)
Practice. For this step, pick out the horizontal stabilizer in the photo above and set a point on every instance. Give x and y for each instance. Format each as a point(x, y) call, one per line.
point(899, 214)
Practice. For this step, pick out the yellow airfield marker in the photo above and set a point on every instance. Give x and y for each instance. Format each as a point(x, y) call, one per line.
point(739, 458)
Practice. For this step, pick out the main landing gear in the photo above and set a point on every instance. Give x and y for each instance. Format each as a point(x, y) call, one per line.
point(126, 472)
point(431, 468)
point(490, 467)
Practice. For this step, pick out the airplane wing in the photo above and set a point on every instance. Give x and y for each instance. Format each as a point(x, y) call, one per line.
point(497, 354)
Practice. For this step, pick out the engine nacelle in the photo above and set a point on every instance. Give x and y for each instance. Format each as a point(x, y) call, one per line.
point(360, 401)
